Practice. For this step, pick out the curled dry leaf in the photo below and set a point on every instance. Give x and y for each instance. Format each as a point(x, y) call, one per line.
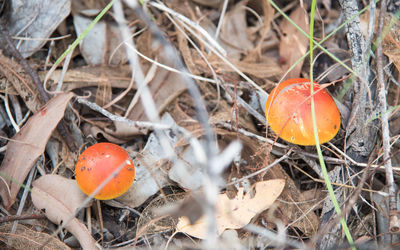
point(28, 144)
point(49, 194)
point(236, 213)
point(293, 43)
point(296, 209)
point(391, 39)
point(22, 84)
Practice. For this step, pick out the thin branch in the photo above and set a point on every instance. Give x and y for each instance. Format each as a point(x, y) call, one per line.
point(10, 218)
point(61, 127)
point(394, 221)
point(23, 62)
point(141, 125)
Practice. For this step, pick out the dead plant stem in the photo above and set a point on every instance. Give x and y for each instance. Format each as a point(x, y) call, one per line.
point(394, 222)
point(61, 127)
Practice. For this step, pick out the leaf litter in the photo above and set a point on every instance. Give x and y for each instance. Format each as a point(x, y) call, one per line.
point(49, 195)
point(237, 212)
point(169, 194)
point(27, 145)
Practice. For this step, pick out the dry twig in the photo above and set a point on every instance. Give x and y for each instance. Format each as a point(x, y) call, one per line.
point(394, 222)
point(61, 127)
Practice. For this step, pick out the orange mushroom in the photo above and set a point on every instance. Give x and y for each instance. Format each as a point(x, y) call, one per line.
point(100, 161)
point(288, 112)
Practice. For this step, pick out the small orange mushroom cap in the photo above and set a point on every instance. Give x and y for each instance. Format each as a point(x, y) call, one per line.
point(98, 162)
point(288, 112)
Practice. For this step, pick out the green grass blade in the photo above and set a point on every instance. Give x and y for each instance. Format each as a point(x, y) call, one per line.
point(315, 42)
point(317, 145)
point(84, 33)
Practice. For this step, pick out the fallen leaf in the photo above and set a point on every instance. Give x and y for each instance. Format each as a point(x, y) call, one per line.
point(93, 46)
point(22, 83)
point(164, 87)
point(36, 20)
point(391, 39)
point(236, 213)
point(150, 168)
point(27, 145)
point(293, 43)
point(88, 76)
point(209, 3)
point(264, 69)
point(102, 44)
point(234, 32)
point(296, 209)
point(49, 193)
point(99, 133)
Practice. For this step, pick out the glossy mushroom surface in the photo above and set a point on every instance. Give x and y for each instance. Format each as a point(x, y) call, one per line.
point(288, 112)
point(98, 162)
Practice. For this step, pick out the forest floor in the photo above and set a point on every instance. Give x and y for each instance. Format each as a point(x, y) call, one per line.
point(182, 87)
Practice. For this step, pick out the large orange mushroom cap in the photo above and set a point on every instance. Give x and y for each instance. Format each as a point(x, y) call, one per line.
point(98, 162)
point(288, 112)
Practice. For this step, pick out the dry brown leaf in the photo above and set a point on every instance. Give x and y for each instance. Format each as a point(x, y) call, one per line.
point(296, 209)
point(263, 68)
point(391, 41)
point(165, 87)
point(186, 53)
point(264, 28)
point(293, 43)
point(26, 238)
point(268, 12)
point(88, 76)
point(99, 133)
point(28, 144)
point(234, 32)
point(209, 3)
point(22, 83)
point(267, 68)
point(236, 213)
point(60, 198)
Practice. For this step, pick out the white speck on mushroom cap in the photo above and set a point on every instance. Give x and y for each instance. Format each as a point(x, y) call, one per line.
point(128, 162)
point(302, 128)
point(295, 119)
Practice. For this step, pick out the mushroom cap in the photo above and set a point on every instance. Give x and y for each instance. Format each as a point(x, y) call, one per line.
point(98, 162)
point(288, 112)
